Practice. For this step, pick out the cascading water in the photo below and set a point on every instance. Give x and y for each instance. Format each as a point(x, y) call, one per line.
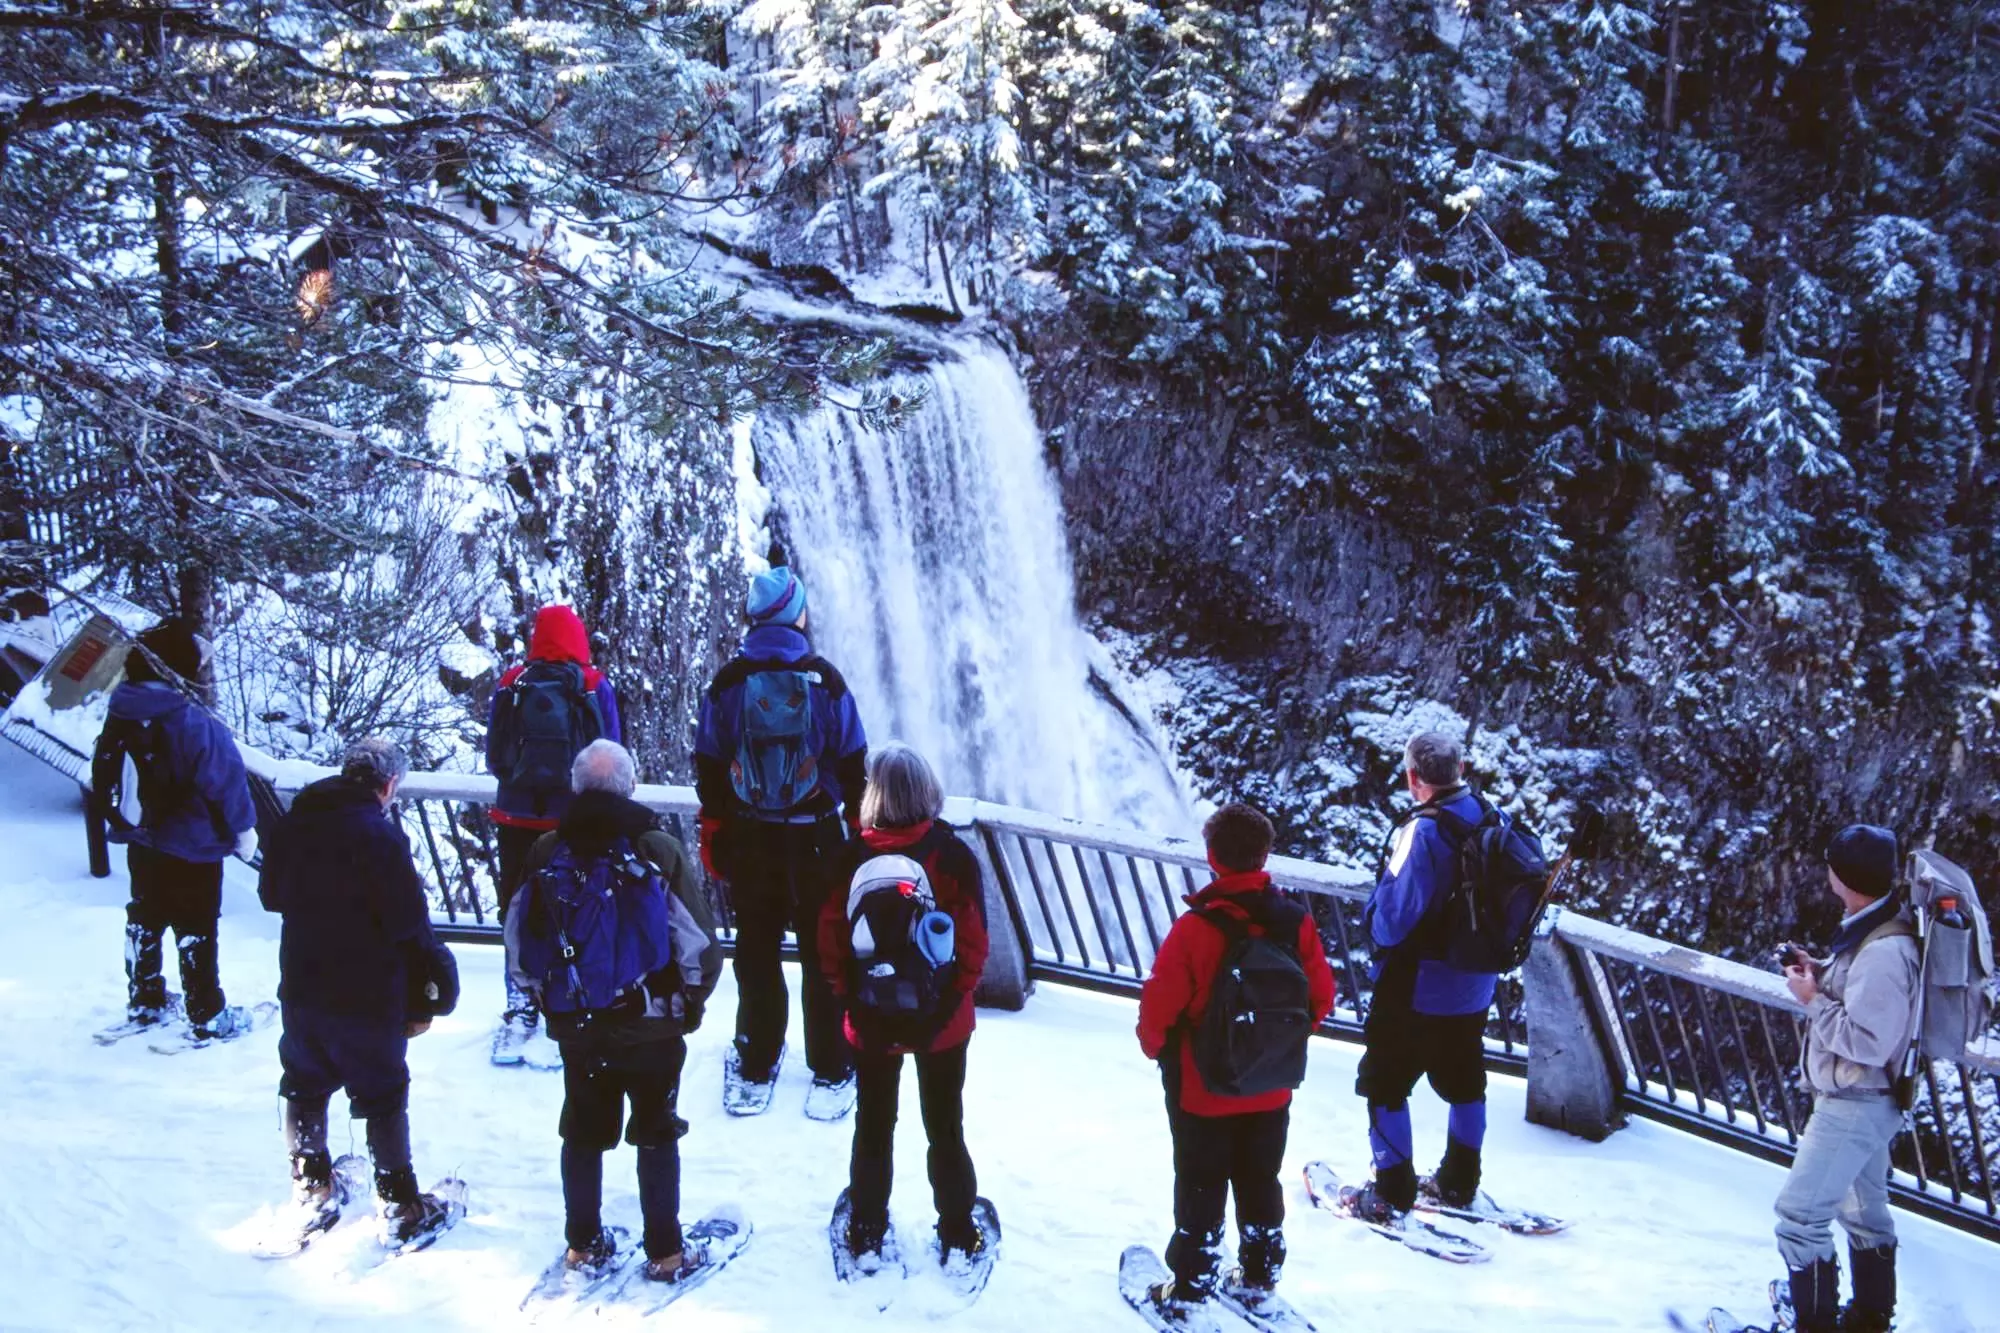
point(940, 585)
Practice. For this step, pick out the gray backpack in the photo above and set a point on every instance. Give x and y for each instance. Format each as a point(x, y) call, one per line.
point(1955, 1001)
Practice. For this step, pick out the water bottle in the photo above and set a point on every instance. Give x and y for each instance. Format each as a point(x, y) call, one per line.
point(936, 938)
point(1949, 913)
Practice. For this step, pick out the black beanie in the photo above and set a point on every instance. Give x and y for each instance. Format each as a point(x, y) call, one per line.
point(1864, 856)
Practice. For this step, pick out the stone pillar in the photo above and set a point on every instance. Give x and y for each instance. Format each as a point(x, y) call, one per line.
point(1005, 983)
point(1575, 1076)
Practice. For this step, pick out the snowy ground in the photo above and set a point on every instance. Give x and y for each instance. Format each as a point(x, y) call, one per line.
point(127, 1178)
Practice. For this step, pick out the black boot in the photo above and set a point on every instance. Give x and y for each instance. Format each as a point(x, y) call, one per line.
point(1260, 1253)
point(1874, 1303)
point(1816, 1297)
point(305, 1140)
point(145, 988)
point(201, 981)
point(1457, 1176)
point(1196, 1262)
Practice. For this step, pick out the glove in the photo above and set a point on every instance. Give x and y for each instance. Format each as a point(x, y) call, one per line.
point(709, 831)
point(246, 844)
point(686, 1007)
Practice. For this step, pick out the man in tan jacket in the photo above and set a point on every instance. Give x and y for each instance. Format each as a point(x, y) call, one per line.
point(1861, 1014)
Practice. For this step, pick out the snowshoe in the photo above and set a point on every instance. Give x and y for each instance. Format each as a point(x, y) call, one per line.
point(564, 1283)
point(1363, 1205)
point(407, 1228)
point(829, 1099)
point(1147, 1286)
point(1261, 1306)
point(233, 1022)
point(871, 1263)
point(312, 1213)
point(966, 1268)
point(707, 1248)
point(1519, 1221)
point(740, 1096)
point(511, 1036)
point(139, 1020)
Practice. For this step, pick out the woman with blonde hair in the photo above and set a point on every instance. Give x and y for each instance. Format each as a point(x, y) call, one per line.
point(903, 947)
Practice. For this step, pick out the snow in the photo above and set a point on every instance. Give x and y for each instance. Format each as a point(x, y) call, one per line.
point(128, 1181)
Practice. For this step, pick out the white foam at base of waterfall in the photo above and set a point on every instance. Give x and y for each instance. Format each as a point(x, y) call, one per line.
point(939, 583)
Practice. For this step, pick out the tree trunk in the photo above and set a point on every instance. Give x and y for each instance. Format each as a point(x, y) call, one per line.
point(1667, 108)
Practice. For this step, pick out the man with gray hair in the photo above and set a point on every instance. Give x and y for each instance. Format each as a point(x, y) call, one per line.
point(1427, 1018)
point(612, 937)
point(360, 972)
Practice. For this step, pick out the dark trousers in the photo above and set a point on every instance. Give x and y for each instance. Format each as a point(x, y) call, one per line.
point(513, 844)
point(185, 897)
point(779, 876)
point(320, 1053)
point(1213, 1157)
point(639, 1061)
point(941, 1095)
point(1404, 1046)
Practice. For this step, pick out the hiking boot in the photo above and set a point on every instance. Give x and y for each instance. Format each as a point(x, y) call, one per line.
point(865, 1238)
point(961, 1239)
point(594, 1256)
point(405, 1223)
point(1874, 1303)
point(229, 1022)
point(1815, 1293)
point(312, 1179)
point(674, 1267)
point(1370, 1204)
point(1856, 1320)
point(1174, 1303)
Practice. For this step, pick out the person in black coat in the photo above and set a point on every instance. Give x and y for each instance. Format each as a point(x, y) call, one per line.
point(360, 973)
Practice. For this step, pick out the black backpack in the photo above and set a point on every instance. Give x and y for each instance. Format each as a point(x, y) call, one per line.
point(1252, 1039)
point(160, 790)
point(1487, 922)
point(543, 719)
point(895, 989)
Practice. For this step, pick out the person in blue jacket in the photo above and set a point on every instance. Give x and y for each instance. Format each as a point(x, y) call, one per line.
point(780, 762)
point(1426, 1019)
point(194, 812)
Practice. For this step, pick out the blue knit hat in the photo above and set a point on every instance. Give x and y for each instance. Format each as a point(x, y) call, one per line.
point(776, 598)
point(1864, 856)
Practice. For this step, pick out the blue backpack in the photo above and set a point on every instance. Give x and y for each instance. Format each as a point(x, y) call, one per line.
point(596, 927)
point(776, 767)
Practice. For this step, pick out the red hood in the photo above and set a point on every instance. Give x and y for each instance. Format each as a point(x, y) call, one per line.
point(895, 839)
point(559, 637)
point(1231, 885)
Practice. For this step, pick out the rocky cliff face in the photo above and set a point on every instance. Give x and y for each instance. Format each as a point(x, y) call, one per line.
point(1300, 641)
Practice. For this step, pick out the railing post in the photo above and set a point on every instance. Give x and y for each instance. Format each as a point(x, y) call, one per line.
point(1573, 1084)
point(1005, 984)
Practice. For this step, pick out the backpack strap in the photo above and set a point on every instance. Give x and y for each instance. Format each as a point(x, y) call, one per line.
point(739, 669)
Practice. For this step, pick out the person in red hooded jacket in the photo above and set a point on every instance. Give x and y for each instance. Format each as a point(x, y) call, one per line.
point(899, 816)
point(1223, 1143)
point(544, 712)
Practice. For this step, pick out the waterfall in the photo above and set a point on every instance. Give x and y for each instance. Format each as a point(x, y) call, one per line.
point(939, 584)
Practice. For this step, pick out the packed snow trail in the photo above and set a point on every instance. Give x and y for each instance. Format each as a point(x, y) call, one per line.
point(130, 1185)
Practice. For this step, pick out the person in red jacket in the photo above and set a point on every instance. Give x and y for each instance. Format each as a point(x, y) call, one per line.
point(544, 711)
point(1222, 1142)
point(899, 816)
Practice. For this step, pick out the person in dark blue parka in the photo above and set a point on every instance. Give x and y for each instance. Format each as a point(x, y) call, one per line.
point(360, 972)
point(194, 811)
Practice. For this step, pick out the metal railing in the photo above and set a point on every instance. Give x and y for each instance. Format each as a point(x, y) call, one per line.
point(1699, 1041)
point(1716, 1045)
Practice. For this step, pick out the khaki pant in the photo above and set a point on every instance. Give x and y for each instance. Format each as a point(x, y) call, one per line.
point(1841, 1171)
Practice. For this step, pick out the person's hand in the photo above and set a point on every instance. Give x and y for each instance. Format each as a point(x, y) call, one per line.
point(687, 1009)
point(1801, 982)
point(246, 844)
point(708, 830)
point(416, 1027)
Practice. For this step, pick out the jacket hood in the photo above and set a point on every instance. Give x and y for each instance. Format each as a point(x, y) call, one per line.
point(1230, 886)
point(559, 637)
point(897, 839)
point(782, 643)
point(337, 793)
point(146, 701)
point(595, 818)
